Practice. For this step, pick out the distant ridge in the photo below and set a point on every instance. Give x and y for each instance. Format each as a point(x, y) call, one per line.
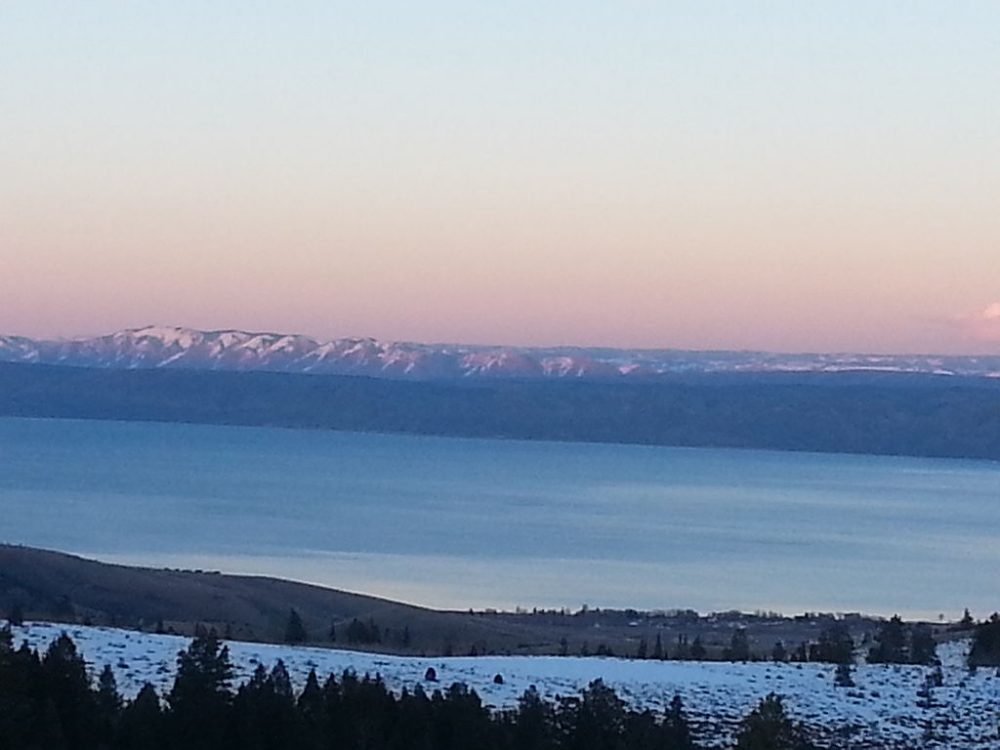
point(155, 347)
point(874, 413)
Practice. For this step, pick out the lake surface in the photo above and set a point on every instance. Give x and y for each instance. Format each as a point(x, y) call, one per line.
point(493, 523)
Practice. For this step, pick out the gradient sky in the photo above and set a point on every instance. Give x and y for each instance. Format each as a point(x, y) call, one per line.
point(769, 175)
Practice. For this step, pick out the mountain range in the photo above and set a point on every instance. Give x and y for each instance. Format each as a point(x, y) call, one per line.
point(155, 347)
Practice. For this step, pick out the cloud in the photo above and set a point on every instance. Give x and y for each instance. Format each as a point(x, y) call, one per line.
point(983, 324)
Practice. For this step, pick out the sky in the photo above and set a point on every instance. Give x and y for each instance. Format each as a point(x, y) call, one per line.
point(789, 176)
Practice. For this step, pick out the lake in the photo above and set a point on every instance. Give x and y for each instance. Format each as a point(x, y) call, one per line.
point(464, 523)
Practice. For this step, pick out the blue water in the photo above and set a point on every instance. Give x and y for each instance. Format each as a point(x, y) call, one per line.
point(479, 523)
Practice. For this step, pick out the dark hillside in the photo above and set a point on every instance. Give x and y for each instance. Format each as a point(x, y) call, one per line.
point(53, 585)
point(850, 413)
point(43, 585)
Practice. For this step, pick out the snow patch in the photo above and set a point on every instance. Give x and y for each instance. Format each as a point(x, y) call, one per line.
point(883, 710)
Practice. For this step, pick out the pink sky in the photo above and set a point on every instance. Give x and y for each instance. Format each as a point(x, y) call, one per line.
point(654, 176)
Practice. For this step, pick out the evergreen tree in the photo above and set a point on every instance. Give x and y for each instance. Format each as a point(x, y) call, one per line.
point(697, 650)
point(835, 645)
point(599, 719)
point(312, 714)
point(801, 653)
point(658, 652)
point(767, 727)
point(65, 680)
point(778, 653)
point(109, 706)
point(21, 688)
point(109, 701)
point(295, 631)
point(986, 644)
point(897, 643)
point(641, 651)
point(360, 632)
point(200, 697)
point(676, 729)
point(890, 643)
point(923, 649)
point(641, 732)
point(414, 721)
point(535, 723)
point(739, 646)
point(264, 715)
point(683, 650)
point(141, 725)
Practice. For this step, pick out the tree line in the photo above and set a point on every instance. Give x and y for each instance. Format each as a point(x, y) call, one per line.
point(49, 701)
point(895, 642)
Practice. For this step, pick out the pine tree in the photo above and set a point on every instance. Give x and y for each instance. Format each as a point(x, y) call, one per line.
point(534, 724)
point(600, 717)
point(986, 644)
point(835, 645)
point(697, 651)
point(767, 727)
point(200, 698)
point(295, 631)
point(966, 622)
point(312, 714)
point(109, 706)
point(65, 680)
point(20, 684)
point(890, 643)
point(658, 653)
point(359, 632)
point(141, 724)
point(108, 699)
point(641, 651)
point(923, 649)
point(739, 646)
point(676, 729)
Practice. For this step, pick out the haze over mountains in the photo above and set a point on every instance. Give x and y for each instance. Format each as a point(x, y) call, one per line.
point(156, 347)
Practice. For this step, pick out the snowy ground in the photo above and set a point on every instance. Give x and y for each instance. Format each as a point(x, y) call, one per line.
point(884, 710)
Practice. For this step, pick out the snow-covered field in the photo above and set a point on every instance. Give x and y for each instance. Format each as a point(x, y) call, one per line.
point(884, 710)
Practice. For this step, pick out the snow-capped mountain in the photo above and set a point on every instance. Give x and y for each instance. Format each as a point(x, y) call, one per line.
point(158, 347)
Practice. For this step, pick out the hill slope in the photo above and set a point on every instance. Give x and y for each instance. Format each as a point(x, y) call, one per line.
point(55, 585)
point(849, 413)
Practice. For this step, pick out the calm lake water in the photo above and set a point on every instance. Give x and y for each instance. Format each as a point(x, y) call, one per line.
point(478, 523)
